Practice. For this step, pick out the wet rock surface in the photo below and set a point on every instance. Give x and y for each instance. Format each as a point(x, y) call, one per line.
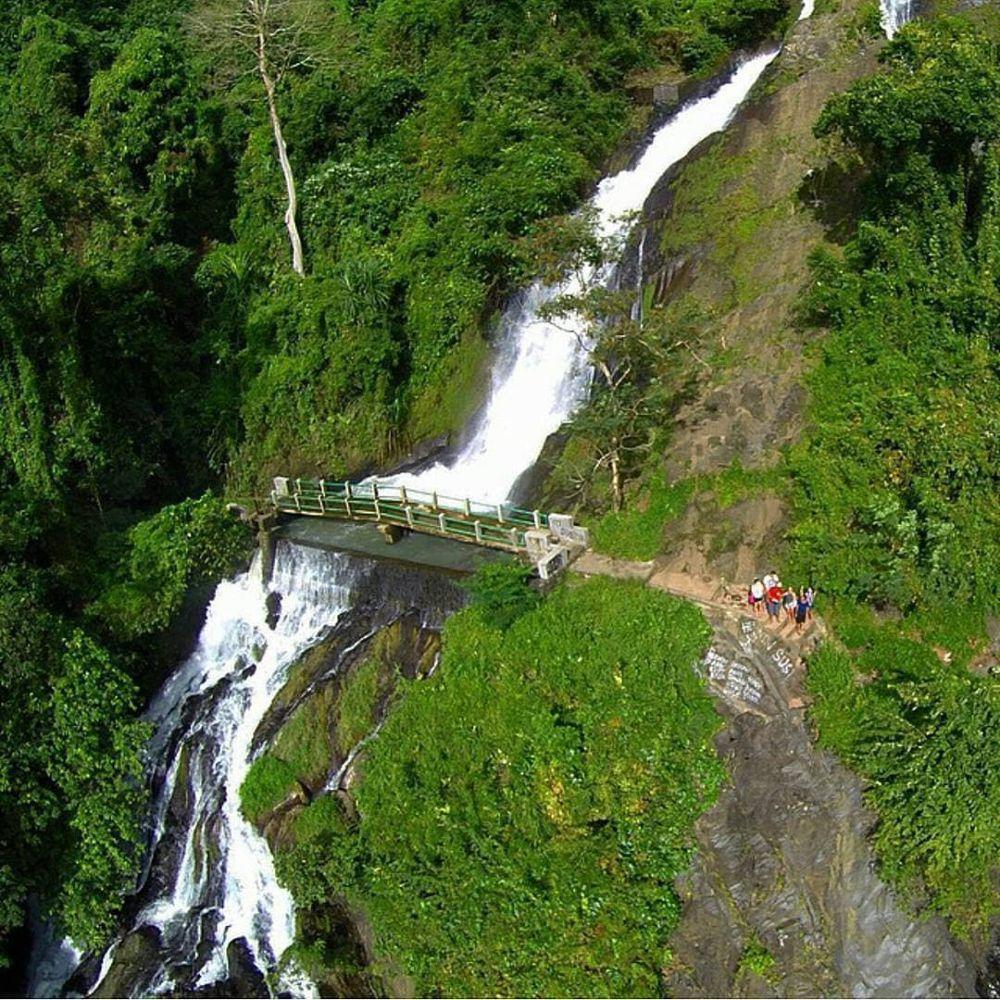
point(784, 865)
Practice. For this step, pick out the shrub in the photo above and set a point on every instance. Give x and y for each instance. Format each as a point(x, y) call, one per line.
point(185, 545)
point(501, 592)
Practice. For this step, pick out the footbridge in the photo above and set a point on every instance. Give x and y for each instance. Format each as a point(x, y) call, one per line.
point(550, 541)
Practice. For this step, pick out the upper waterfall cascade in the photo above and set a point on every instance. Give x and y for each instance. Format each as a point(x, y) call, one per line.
point(541, 374)
point(210, 878)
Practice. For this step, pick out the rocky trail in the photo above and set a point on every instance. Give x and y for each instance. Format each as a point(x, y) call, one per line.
point(783, 897)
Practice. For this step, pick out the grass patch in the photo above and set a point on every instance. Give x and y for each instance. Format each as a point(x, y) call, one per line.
point(267, 783)
point(735, 484)
point(301, 752)
point(319, 819)
point(637, 531)
point(304, 740)
point(525, 813)
point(719, 205)
point(444, 406)
point(357, 705)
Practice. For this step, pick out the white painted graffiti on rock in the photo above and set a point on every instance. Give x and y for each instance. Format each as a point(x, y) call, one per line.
point(783, 661)
point(737, 680)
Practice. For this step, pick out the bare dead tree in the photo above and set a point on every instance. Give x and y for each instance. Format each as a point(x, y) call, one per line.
point(268, 39)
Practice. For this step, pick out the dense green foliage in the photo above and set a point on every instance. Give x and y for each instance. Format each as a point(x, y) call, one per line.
point(69, 765)
point(154, 343)
point(502, 593)
point(899, 481)
point(456, 127)
point(927, 737)
point(356, 708)
point(189, 544)
point(523, 812)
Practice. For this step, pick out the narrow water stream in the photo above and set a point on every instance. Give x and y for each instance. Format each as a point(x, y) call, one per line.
point(209, 885)
point(895, 13)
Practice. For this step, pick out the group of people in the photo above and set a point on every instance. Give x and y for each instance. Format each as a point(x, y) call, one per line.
point(770, 594)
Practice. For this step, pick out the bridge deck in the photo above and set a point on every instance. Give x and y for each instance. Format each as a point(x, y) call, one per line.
point(499, 526)
point(441, 555)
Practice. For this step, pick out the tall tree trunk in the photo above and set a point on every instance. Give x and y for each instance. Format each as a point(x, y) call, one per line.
point(617, 500)
point(291, 211)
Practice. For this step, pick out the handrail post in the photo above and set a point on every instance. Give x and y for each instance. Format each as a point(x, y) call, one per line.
point(434, 499)
point(500, 513)
point(375, 491)
point(409, 516)
point(441, 522)
point(479, 532)
point(468, 508)
point(538, 519)
point(402, 495)
point(298, 499)
point(378, 512)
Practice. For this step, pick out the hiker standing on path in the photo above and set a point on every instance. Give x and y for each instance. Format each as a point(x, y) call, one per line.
point(802, 609)
point(757, 592)
point(774, 595)
point(788, 601)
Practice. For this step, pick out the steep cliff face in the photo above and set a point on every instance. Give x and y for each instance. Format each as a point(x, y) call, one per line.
point(726, 255)
point(783, 898)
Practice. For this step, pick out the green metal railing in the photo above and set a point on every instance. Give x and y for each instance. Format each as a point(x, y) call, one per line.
point(496, 525)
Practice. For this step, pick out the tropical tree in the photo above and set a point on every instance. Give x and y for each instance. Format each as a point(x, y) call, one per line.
point(625, 352)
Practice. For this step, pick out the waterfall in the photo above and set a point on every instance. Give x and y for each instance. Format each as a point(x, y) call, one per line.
point(209, 878)
point(640, 263)
point(220, 885)
point(541, 374)
point(896, 13)
point(240, 653)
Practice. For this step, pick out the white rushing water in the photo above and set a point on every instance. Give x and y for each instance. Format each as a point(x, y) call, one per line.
point(541, 375)
point(222, 884)
point(237, 646)
point(896, 13)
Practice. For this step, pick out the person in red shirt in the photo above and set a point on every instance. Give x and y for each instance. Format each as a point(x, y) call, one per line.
point(774, 595)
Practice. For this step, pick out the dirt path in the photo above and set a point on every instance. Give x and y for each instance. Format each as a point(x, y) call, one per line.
point(782, 898)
